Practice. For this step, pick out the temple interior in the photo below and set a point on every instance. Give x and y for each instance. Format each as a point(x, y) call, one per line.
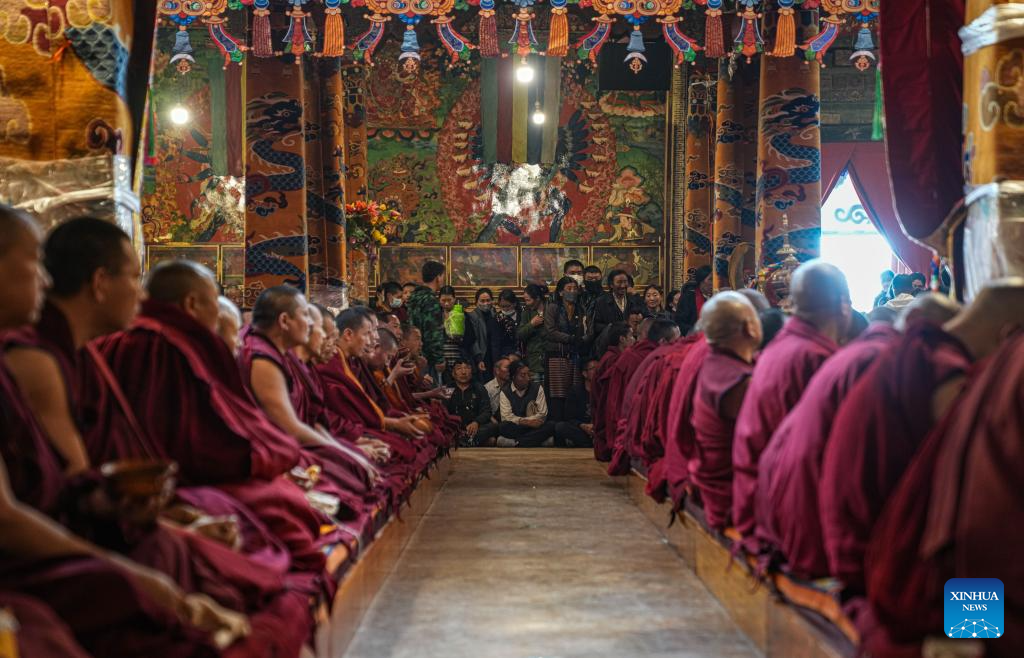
point(470, 328)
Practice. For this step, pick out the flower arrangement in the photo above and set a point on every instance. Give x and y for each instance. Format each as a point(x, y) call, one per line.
point(370, 224)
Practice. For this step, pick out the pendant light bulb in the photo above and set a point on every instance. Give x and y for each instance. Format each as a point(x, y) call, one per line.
point(538, 115)
point(180, 115)
point(524, 72)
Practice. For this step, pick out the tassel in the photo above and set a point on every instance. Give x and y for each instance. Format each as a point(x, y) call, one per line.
point(558, 36)
point(334, 30)
point(488, 30)
point(262, 42)
point(817, 47)
point(362, 49)
point(714, 38)
point(589, 47)
point(684, 47)
point(457, 46)
point(785, 31)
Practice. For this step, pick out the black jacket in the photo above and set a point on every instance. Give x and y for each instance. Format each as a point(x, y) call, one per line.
point(607, 312)
point(472, 405)
point(577, 405)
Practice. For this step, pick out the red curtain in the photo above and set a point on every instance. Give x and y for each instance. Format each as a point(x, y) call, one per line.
point(922, 82)
point(866, 164)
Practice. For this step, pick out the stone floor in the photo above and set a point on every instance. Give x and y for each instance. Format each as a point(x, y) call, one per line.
point(538, 554)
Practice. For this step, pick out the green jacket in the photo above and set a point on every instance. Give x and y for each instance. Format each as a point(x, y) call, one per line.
point(534, 341)
point(425, 313)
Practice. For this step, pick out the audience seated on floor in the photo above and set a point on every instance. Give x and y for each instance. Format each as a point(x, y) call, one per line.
point(471, 403)
point(577, 428)
point(524, 411)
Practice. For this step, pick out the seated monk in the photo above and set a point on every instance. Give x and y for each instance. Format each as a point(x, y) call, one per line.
point(143, 611)
point(94, 290)
point(888, 413)
point(788, 517)
point(280, 323)
point(821, 317)
point(40, 632)
point(732, 329)
point(196, 411)
point(950, 517)
point(229, 323)
point(619, 336)
point(656, 333)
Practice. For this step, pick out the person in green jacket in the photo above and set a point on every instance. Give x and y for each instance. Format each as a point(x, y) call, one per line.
point(532, 334)
point(425, 313)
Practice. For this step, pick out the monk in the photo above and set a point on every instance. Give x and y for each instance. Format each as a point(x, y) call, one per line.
point(888, 413)
point(198, 413)
point(788, 518)
point(619, 336)
point(280, 323)
point(732, 330)
point(821, 316)
point(229, 323)
point(143, 612)
point(657, 333)
point(950, 517)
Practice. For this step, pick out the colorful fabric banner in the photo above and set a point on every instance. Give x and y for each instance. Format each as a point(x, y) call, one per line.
point(700, 134)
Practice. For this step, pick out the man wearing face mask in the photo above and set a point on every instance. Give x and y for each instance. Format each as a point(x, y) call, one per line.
point(563, 334)
point(574, 270)
point(390, 300)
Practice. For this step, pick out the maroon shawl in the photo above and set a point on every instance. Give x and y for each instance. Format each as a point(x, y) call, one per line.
point(878, 428)
point(788, 520)
point(678, 432)
point(779, 379)
point(603, 435)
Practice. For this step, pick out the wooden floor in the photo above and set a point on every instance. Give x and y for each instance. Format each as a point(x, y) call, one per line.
point(537, 553)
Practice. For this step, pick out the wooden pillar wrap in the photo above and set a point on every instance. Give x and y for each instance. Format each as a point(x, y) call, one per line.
point(789, 153)
point(332, 150)
point(993, 47)
point(675, 176)
point(700, 133)
point(276, 185)
point(356, 168)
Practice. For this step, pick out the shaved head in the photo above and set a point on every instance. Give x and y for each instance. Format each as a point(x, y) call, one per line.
point(759, 301)
point(76, 249)
point(22, 279)
point(663, 330)
point(229, 322)
point(272, 303)
point(818, 289)
point(16, 225)
point(645, 328)
point(728, 317)
point(193, 288)
point(930, 307)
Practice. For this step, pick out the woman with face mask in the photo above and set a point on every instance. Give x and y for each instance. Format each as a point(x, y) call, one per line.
point(532, 334)
point(503, 325)
point(480, 349)
point(563, 321)
point(390, 300)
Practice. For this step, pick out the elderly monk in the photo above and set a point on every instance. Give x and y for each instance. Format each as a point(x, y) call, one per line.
point(229, 323)
point(732, 330)
point(888, 413)
point(619, 336)
point(658, 333)
point(72, 392)
point(197, 411)
point(143, 611)
point(821, 316)
point(952, 516)
point(788, 517)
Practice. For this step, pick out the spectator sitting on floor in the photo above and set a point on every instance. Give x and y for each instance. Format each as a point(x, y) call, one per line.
point(577, 430)
point(470, 402)
point(524, 411)
point(494, 386)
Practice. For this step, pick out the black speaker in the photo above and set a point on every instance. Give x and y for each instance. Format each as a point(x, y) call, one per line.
point(614, 73)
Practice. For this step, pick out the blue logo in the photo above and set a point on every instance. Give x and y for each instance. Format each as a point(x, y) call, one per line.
point(974, 608)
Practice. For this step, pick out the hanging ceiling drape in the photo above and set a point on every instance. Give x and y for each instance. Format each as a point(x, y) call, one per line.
point(922, 71)
point(866, 164)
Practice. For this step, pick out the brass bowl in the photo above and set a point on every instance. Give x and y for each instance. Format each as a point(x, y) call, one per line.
point(139, 479)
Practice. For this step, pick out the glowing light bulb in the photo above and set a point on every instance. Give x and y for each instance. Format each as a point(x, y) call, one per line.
point(180, 115)
point(538, 115)
point(524, 72)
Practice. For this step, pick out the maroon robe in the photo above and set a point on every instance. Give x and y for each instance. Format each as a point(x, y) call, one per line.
point(877, 430)
point(637, 403)
point(195, 400)
point(603, 435)
point(788, 516)
point(780, 377)
point(954, 514)
point(127, 623)
point(238, 581)
point(41, 633)
point(679, 434)
point(618, 381)
point(711, 463)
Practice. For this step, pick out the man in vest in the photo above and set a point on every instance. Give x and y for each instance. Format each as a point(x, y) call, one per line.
point(524, 410)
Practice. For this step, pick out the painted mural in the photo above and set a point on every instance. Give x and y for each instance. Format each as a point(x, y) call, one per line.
point(425, 153)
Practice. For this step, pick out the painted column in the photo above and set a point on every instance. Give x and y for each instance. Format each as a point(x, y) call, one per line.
point(675, 175)
point(700, 135)
point(789, 152)
point(275, 214)
point(332, 149)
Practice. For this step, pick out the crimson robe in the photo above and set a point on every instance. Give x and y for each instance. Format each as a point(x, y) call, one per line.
point(637, 405)
point(678, 431)
point(127, 623)
point(788, 518)
point(955, 513)
point(238, 581)
point(711, 464)
point(878, 428)
point(618, 380)
point(41, 633)
point(603, 434)
point(779, 379)
point(194, 400)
